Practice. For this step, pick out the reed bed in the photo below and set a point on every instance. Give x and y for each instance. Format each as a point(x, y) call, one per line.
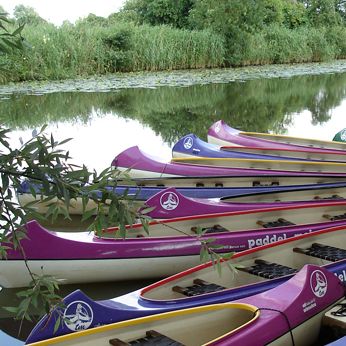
point(279, 45)
point(82, 50)
point(73, 51)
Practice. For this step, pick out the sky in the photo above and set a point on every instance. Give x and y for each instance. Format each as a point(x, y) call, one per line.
point(59, 10)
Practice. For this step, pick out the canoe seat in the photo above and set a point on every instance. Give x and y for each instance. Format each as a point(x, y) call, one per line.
point(268, 270)
point(258, 183)
point(326, 252)
point(213, 229)
point(151, 338)
point(279, 223)
point(337, 197)
point(199, 287)
point(336, 217)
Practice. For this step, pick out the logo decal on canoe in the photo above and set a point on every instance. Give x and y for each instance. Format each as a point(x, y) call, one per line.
point(217, 128)
point(169, 201)
point(343, 135)
point(318, 283)
point(78, 315)
point(188, 143)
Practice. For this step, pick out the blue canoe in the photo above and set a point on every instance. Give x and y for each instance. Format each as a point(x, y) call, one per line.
point(191, 145)
point(259, 270)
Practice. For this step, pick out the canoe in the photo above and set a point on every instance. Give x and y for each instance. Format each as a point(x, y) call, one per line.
point(192, 146)
point(139, 195)
point(172, 245)
point(286, 165)
point(169, 203)
point(222, 134)
point(130, 306)
point(140, 165)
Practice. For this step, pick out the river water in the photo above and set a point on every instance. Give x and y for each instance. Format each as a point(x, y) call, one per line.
point(106, 116)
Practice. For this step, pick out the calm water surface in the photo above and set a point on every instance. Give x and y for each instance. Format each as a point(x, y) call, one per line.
point(102, 124)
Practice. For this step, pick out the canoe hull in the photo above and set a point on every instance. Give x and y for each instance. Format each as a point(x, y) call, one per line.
point(13, 273)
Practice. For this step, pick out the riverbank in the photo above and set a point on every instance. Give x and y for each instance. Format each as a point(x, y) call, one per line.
point(181, 78)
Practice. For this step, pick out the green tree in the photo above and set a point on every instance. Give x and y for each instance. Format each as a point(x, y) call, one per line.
point(157, 12)
point(324, 12)
point(27, 15)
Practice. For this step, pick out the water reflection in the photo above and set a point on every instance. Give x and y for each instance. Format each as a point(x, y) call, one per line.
point(256, 105)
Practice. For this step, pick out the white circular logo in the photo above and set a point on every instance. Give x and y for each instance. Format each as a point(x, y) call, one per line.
point(188, 142)
point(217, 128)
point(169, 201)
point(343, 135)
point(78, 315)
point(318, 283)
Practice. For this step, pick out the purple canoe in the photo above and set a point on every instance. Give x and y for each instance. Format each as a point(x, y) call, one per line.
point(260, 270)
point(140, 165)
point(191, 145)
point(222, 134)
point(169, 203)
point(171, 246)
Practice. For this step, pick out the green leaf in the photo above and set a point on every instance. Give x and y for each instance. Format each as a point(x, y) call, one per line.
point(88, 214)
point(203, 255)
point(18, 30)
point(11, 309)
point(57, 325)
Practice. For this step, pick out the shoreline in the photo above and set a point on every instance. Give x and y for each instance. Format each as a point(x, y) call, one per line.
point(176, 78)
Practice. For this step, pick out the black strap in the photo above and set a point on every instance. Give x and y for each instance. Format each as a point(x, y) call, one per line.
point(286, 318)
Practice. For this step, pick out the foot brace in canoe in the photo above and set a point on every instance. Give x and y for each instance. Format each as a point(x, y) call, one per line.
point(335, 218)
point(199, 287)
point(152, 338)
point(268, 270)
point(213, 229)
point(333, 197)
point(326, 252)
point(279, 223)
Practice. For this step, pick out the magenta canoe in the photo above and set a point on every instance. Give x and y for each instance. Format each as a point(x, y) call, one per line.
point(222, 134)
point(141, 165)
point(172, 245)
point(169, 203)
